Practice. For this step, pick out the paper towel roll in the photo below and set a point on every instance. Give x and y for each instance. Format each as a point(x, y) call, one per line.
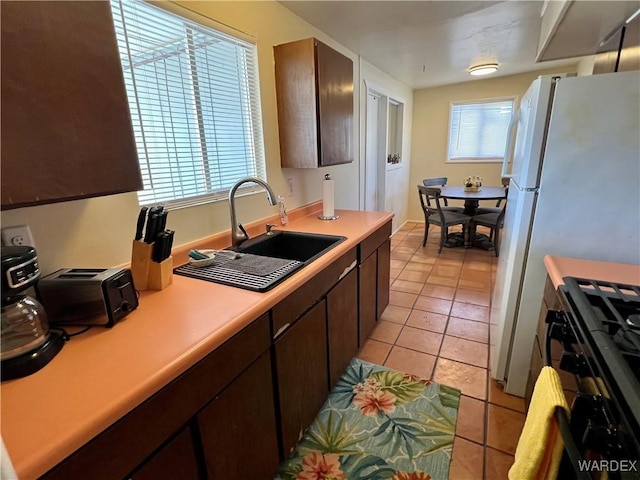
point(327, 198)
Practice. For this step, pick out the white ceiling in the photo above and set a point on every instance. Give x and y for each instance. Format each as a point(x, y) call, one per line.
point(429, 43)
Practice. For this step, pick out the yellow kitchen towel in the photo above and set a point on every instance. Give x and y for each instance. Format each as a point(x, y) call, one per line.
point(540, 445)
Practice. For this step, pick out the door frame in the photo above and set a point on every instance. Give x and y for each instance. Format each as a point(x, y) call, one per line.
point(381, 132)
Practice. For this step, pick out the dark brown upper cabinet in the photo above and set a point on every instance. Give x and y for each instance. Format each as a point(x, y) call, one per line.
point(66, 129)
point(314, 87)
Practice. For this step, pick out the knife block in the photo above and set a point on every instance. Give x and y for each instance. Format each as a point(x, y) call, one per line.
point(147, 274)
point(160, 274)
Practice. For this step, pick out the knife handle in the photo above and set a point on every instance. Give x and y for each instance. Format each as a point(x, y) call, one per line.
point(163, 221)
point(168, 244)
point(158, 248)
point(142, 216)
point(151, 232)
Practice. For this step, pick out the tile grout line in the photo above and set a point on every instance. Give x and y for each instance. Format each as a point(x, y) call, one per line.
point(486, 402)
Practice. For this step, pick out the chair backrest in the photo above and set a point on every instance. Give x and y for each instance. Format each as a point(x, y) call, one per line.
point(435, 182)
point(504, 207)
point(427, 194)
point(505, 183)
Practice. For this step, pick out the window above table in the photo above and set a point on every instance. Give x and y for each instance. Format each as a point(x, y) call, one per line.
point(478, 130)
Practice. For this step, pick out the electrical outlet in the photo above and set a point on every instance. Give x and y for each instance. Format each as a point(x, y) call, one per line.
point(290, 184)
point(17, 235)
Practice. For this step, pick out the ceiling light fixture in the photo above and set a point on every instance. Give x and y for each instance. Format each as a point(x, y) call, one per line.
point(484, 69)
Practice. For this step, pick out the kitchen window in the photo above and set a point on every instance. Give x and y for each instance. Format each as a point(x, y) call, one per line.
point(478, 130)
point(194, 101)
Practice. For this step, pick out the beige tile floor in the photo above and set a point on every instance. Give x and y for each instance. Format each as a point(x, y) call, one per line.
point(437, 326)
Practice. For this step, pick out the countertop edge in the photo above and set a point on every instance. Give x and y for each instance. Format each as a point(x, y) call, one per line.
point(560, 267)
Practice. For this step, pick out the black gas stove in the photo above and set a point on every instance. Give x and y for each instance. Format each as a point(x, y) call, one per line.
point(600, 333)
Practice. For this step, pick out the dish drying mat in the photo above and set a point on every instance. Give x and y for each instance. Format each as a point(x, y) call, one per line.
point(251, 272)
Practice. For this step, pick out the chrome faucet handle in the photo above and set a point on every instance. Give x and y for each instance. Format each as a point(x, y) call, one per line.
point(269, 227)
point(244, 233)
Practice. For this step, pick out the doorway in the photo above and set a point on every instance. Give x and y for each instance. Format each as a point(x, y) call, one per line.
point(375, 151)
point(383, 149)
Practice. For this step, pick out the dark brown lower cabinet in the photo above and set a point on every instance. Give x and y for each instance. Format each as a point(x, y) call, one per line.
point(342, 325)
point(550, 301)
point(384, 272)
point(177, 459)
point(373, 280)
point(222, 418)
point(301, 365)
point(238, 428)
point(367, 296)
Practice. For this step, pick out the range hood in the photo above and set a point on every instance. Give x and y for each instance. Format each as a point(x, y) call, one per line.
point(576, 28)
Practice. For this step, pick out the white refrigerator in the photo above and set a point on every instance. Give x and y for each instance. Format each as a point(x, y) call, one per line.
point(574, 192)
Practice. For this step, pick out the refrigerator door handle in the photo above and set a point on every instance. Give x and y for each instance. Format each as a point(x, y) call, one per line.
point(509, 147)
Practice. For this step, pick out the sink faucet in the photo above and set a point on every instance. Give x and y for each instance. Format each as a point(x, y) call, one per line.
point(238, 233)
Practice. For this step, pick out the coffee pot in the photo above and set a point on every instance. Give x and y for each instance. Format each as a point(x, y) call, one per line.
point(27, 345)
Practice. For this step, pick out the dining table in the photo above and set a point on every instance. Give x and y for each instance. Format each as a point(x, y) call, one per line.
point(471, 204)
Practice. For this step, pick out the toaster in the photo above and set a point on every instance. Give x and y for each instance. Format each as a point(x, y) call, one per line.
point(88, 296)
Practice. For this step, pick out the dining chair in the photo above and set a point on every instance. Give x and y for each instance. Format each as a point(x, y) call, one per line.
point(434, 214)
point(494, 221)
point(482, 210)
point(441, 182)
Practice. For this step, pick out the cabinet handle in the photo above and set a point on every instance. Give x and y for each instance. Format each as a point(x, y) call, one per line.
point(280, 330)
point(347, 270)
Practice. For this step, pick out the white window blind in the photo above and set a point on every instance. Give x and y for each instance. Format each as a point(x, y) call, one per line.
point(478, 130)
point(194, 101)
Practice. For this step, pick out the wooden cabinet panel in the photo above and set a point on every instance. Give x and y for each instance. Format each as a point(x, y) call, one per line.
point(335, 105)
point(238, 429)
point(177, 459)
point(66, 130)
point(373, 241)
point(126, 444)
point(384, 272)
point(314, 87)
point(342, 325)
point(288, 310)
point(550, 302)
point(301, 365)
point(367, 297)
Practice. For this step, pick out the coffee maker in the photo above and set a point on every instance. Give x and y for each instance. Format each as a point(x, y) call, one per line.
point(27, 345)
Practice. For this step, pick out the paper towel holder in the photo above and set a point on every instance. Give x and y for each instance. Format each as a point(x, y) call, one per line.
point(328, 212)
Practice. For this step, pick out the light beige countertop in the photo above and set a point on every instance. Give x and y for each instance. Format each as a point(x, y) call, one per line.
point(559, 267)
point(103, 374)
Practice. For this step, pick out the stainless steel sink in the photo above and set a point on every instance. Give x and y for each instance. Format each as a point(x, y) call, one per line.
point(300, 246)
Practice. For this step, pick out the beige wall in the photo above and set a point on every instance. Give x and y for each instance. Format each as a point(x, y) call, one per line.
point(431, 124)
point(98, 232)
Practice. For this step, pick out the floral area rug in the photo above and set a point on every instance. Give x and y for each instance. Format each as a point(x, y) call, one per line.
point(378, 424)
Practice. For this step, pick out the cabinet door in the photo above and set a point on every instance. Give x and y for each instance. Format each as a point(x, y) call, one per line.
point(367, 296)
point(295, 76)
point(384, 272)
point(314, 90)
point(238, 428)
point(66, 129)
point(177, 459)
point(131, 440)
point(301, 363)
point(335, 105)
point(342, 325)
